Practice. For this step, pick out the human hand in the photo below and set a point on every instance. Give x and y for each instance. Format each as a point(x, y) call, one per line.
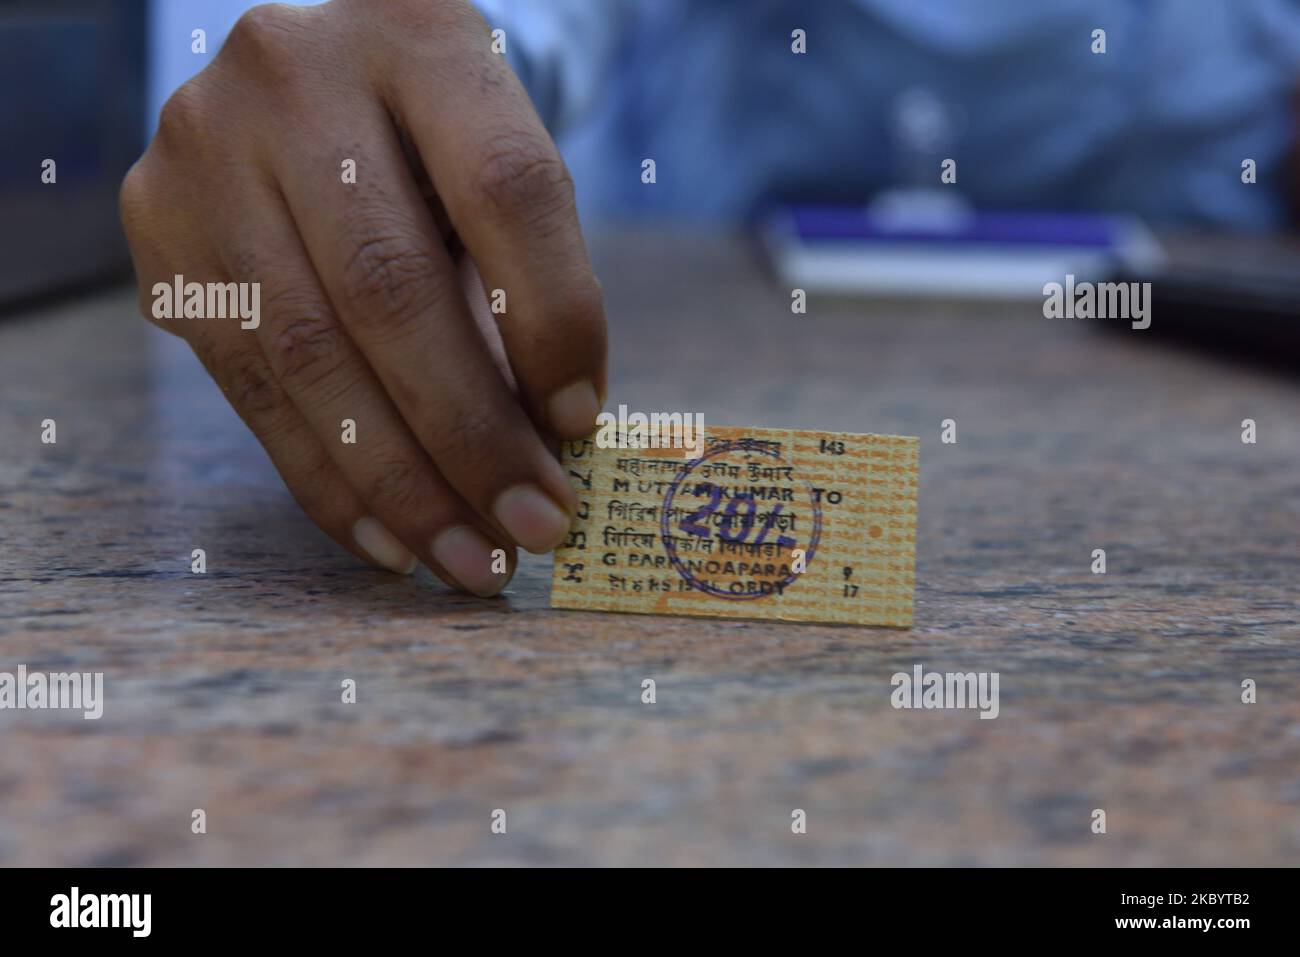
point(362, 313)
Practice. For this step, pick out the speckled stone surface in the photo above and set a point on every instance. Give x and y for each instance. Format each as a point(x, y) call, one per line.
point(1119, 691)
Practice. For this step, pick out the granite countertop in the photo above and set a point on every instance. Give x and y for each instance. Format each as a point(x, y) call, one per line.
point(1119, 691)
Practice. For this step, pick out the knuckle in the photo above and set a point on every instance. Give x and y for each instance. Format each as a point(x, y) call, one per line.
point(400, 486)
point(248, 264)
point(523, 176)
point(307, 349)
point(388, 281)
point(305, 340)
point(183, 116)
point(249, 384)
point(267, 35)
point(132, 196)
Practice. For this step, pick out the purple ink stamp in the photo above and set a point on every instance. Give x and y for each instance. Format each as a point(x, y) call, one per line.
point(744, 531)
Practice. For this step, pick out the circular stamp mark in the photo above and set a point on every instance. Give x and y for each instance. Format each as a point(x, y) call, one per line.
point(728, 535)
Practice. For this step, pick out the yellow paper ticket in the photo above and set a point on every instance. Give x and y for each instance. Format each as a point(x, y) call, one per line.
point(764, 523)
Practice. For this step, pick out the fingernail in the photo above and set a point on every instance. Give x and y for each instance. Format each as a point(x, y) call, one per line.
point(382, 545)
point(467, 556)
point(572, 410)
point(531, 518)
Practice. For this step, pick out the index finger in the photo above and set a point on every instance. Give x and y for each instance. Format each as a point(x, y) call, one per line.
point(510, 198)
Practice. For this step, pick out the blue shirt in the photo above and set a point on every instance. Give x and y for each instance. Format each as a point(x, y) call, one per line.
point(1159, 123)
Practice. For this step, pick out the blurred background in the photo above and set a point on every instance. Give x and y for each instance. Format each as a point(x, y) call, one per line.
point(873, 146)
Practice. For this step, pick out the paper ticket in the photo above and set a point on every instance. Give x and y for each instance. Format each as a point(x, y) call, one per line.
point(764, 523)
